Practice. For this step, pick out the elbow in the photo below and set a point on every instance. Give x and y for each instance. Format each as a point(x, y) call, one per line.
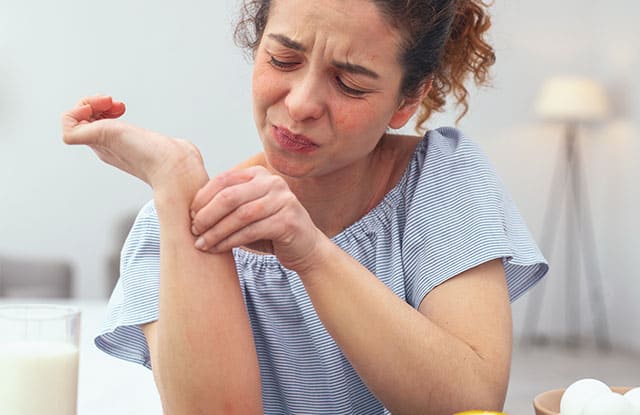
point(478, 403)
point(454, 402)
point(487, 395)
point(479, 395)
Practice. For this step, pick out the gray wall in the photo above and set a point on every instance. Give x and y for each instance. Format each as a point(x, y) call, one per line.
point(178, 71)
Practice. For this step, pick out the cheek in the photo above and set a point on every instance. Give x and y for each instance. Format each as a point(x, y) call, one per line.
point(266, 87)
point(347, 121)
point(355, 120)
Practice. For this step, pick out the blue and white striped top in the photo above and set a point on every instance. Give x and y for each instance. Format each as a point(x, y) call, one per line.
point(448, 213)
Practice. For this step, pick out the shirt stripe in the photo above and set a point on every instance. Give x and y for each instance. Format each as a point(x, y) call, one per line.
point(448, 213)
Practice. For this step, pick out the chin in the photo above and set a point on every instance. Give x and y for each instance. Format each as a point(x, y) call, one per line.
point(285, 166)
point(289, 165)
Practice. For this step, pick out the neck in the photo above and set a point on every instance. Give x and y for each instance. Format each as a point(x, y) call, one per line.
point(339, 199)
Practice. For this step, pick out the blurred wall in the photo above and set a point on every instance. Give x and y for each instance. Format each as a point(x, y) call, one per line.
point(175, 67)
point(178, 71)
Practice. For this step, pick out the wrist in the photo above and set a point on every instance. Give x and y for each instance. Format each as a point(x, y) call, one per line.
point(314, 264)
point(177, 166)
point(178, 191)
point(179, 187)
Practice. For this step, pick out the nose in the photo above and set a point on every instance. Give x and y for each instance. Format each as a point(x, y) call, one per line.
point(306, 98)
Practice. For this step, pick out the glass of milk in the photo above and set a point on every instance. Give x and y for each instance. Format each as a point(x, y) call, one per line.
point(39, 359)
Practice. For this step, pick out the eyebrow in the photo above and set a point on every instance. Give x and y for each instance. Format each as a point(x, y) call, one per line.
point(355, 69)
point(287, 42)
point(345, 66)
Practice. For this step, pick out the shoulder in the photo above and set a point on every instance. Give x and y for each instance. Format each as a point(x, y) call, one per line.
point(445, 161)
point(459, 215)
point(255, 160)
point(450, 144)
point(437, 148)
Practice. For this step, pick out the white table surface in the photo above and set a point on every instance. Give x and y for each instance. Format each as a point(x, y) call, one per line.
point(106, 385)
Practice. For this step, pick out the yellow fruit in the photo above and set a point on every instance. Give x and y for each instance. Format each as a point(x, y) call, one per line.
point(479, 413)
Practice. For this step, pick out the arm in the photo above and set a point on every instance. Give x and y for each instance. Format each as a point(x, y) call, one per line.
point(452, 354)
point(202, 350)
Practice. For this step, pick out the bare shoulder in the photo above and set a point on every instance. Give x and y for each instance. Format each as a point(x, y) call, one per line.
point(255, 160)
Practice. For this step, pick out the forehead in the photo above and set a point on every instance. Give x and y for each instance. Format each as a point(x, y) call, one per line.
point(356, 26)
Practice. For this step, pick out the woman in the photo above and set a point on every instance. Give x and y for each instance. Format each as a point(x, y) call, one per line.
point(344, 269)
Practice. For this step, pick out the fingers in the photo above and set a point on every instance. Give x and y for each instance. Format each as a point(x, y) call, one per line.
point(247, 224)
point(245, 236)
point(235, 196)
point(88, 110)
point(103, 106)
point(72, 118)
point(222, 181)
point(91, 109)
point(234, 202)
point(258, 211)
point(117, 109)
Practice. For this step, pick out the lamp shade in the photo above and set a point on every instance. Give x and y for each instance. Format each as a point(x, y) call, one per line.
point(572, 99)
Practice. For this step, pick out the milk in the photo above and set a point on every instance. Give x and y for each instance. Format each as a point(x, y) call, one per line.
point(38, 378)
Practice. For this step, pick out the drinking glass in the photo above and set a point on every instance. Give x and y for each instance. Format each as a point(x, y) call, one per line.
point(39, 350)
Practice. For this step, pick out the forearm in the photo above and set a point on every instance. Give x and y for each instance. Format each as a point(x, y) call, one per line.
point(206, 359)
point(202, 350)
point(411, 364)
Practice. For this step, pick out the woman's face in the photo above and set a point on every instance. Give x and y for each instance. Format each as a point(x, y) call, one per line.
point(326, 85)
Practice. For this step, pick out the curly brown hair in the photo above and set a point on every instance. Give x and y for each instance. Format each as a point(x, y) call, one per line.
point(466, 53)
point(444, 44)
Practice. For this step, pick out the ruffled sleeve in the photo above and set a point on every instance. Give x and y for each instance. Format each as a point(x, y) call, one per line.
point(135, 298)
point(459, 215)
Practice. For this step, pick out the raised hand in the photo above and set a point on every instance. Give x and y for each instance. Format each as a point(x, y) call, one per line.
point(254, 208)
point(150, 156)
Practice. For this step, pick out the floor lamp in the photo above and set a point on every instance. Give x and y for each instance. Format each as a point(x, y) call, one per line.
point(574, 103)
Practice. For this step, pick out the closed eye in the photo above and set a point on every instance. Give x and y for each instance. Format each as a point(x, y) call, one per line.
point(357, 93)
point(288, 66)
point(281, 64)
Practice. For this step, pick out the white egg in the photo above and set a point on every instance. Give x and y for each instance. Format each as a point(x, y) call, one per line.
point(579, 393)
point(633, 396)
point(609, 404)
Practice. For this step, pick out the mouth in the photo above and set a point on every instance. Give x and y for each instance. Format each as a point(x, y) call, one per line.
point(293, 142)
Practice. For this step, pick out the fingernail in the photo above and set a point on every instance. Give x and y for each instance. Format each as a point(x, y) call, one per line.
point(200, 243)
point(194, 231)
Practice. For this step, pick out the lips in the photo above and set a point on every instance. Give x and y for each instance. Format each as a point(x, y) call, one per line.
point(297, 143)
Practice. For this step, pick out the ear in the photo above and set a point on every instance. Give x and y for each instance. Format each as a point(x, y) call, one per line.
point(408, 107)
